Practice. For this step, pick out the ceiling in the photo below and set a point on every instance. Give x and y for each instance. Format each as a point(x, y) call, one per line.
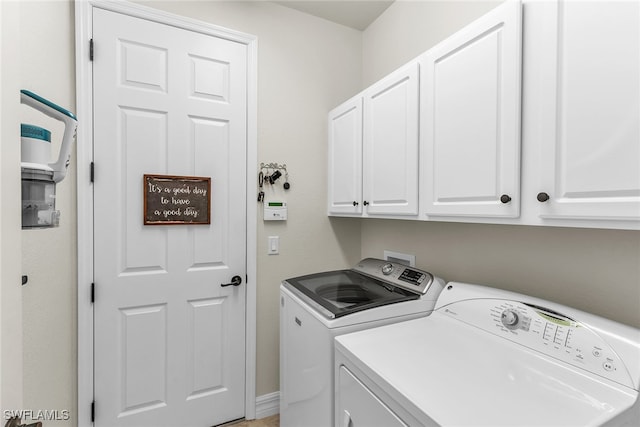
point(356, 14)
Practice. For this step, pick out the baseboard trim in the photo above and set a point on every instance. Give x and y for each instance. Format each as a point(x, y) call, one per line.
point(267, 405)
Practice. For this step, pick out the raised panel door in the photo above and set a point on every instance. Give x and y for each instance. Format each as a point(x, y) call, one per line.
point(345, 158)
point(390, 147)
point(587, 116)
point(169, 340)
point(470, 120)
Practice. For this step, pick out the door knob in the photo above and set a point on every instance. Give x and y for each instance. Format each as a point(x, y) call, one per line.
point(505, 198)
point(542, 197)
point(235, 281)
point(355, 203)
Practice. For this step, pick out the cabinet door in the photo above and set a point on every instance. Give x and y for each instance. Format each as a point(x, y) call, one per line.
point(470, 125)
point(345, 158)
point(391, 144)
point(357, 406)
point(588, 114)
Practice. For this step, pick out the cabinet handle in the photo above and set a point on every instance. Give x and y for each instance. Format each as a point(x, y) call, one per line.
point(366, 203)
point(355, 203)
point(542, 197)
point(505, 198)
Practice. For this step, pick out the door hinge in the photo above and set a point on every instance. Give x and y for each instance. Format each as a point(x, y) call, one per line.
point(93, 411)
point(91, 171)
point(91, 50)
point(93, 293)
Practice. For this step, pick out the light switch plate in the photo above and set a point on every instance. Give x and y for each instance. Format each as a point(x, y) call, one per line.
point(273, 245)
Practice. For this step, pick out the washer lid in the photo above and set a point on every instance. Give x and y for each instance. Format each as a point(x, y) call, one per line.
point(450, 372)
point(342, 292)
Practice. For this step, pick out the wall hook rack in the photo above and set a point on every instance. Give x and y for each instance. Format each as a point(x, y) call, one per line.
point(268, 174)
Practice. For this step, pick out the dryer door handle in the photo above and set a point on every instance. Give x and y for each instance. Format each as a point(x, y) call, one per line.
point(346, 419)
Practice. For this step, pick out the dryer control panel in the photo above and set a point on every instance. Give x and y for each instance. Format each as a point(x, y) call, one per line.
point(543, 330)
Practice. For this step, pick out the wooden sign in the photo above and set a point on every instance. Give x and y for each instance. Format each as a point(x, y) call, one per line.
point(170, 199)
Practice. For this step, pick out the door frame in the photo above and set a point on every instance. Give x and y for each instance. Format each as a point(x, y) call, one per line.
point(84, 107)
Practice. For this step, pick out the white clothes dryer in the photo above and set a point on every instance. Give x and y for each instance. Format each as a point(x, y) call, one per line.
point(487, 357)
point(318, 307)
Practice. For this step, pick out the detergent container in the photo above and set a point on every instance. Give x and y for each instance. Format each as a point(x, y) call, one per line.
point(39, 177)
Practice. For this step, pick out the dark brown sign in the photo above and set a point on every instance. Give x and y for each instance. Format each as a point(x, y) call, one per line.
point(170, 199)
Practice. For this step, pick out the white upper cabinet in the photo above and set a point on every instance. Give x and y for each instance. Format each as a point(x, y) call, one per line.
point(529, 115)
point(586, 114)
point(470, 120)
point(391, 144)
point(373, 149)
point(345, 158)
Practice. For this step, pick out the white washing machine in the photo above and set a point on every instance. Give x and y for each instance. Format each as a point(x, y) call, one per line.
point(318, 307)
point(487, 357)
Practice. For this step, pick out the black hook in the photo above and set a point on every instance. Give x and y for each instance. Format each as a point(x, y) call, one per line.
point(274, 176)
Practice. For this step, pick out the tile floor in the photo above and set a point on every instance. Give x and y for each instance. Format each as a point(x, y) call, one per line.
point(272, 421)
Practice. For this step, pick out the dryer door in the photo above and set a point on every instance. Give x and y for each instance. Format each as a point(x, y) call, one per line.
point(358, 406)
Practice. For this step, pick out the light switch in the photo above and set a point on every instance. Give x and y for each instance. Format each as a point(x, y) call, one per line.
point(274, 245)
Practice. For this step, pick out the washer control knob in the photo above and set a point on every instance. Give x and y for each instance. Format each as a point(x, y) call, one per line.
point(510, 319)
point(387, 269)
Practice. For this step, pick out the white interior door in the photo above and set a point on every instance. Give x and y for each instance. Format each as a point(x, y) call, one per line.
point(169, 340)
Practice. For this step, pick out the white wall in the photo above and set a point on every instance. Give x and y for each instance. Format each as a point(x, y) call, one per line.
point(593, 270)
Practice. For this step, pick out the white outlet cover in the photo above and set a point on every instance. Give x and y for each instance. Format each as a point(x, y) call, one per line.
point(400, 258)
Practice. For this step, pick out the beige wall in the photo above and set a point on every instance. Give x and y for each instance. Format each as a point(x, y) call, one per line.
point(10, 242)
point(592, 270)
point(47, 67)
